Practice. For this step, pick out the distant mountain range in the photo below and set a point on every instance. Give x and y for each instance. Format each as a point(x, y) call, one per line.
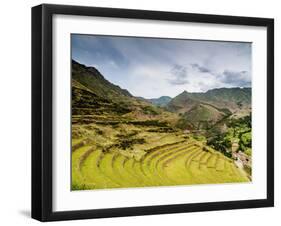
point(204, 110)
point(161, 101)
point(93, 94)
point(233, 99)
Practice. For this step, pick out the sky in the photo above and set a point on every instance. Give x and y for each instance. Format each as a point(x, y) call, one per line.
point(153, 67)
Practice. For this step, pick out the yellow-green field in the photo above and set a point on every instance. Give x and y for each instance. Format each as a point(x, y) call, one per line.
point(121, 141)
point(168, 159)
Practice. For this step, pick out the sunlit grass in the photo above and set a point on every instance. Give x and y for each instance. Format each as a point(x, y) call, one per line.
point(166, 159)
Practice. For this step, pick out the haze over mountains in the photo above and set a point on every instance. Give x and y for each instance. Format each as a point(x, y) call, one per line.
point(195, 109)
point(231, 98)
point(120, 140)
point(161, 101)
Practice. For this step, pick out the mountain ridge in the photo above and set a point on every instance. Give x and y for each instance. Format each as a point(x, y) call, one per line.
point(161, 101)
point(90, 88)
point(97, 83)
point(234, 99)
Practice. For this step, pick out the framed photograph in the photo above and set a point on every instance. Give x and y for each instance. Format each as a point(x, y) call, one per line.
point(145, 112)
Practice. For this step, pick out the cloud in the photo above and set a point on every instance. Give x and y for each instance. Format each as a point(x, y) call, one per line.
point(152, 67)
point(235, 78)
point(228, 78)
point(179, 74)
point(200, 68)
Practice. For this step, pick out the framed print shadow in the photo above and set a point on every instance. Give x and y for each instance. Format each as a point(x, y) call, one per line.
point(145, 112)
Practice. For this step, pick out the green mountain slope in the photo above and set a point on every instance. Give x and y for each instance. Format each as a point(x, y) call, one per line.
point(235, 99)
point(182, 103)
point(120, 141)
point(94, 81)
point(203, 116)
point(86, 102)
point(93, 95)
point(161, 101)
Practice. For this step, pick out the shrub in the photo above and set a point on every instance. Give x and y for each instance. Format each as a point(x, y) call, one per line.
point(162, 130)
point(248, 151)
point(99, 131)
point(128, 143)
point(127, 135)
point(149, 123)
point(150, 110)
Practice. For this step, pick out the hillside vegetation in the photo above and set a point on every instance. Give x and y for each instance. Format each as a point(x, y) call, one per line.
point(119, 140)
point(233, 99)
point(179, 163)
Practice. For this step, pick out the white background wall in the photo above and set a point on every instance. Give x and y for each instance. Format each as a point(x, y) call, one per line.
point(15, 114)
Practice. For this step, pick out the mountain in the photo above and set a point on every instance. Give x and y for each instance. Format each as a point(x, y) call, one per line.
point(111, 130)
point(93, 95)
point(205, 110)
point(95, 98)
point(161, 101)
point(96, 83)
point(182, 103)
point(234, 99)
point(204, 116)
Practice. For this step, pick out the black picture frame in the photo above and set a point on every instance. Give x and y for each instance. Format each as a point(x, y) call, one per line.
point(42, 197)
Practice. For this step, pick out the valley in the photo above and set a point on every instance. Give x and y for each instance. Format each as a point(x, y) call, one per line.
point(119, 140)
